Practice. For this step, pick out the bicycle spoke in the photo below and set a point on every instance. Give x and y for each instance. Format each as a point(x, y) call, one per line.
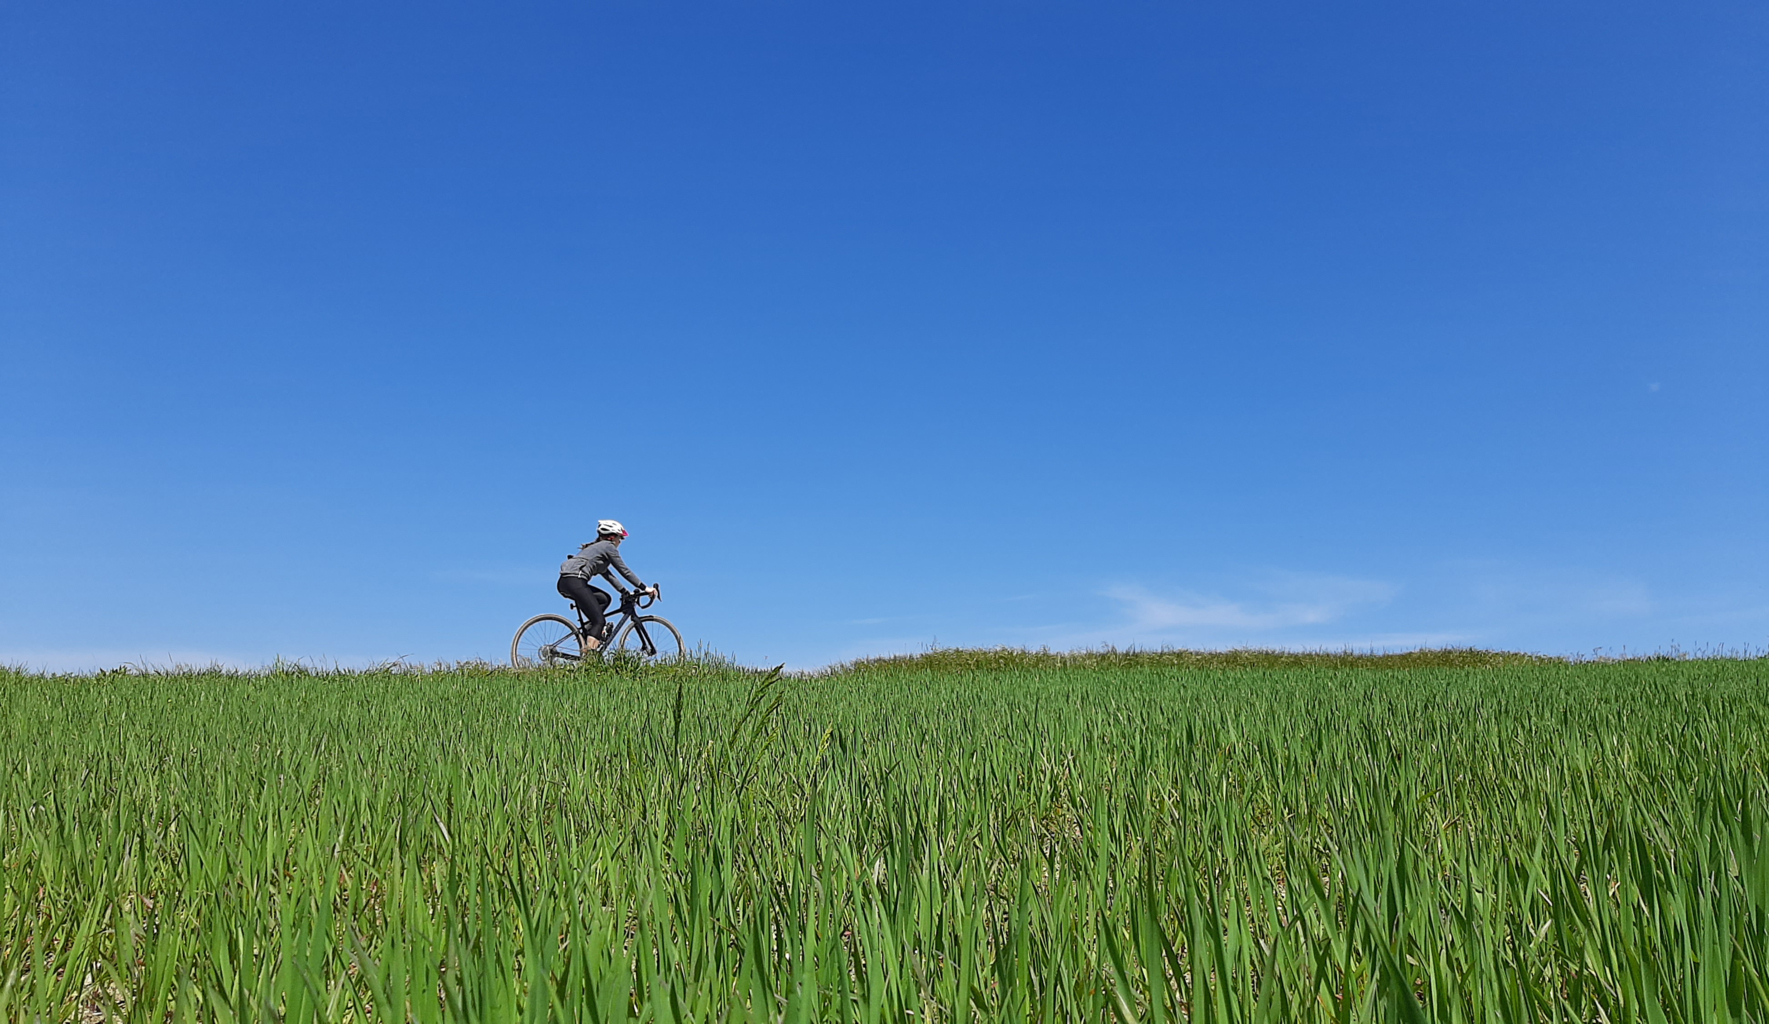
point(642, 638)
point(545, 640)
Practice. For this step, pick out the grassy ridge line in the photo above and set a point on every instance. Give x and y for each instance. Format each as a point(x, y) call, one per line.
point(900, 841)
point(996, 659)
point(1000, 659)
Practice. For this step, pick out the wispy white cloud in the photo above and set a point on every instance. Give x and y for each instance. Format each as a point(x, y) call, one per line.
point(1293, 600)
point(1276, 608)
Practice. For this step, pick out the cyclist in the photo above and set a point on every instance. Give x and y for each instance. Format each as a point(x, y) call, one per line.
point(597, 558)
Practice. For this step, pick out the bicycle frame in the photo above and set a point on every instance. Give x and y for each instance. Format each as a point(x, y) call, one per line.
point(630, 606)
point(629, 632)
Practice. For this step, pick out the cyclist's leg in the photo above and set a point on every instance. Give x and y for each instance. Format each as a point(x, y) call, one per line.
point(602, 599)
point(591, 601)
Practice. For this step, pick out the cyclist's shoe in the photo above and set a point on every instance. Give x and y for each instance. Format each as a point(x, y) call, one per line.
point(591, 643)
point(607, 633)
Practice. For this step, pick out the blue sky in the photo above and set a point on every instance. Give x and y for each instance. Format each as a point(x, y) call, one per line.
point(327, 331)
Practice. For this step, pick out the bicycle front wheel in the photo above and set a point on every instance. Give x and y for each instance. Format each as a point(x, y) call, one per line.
point(545, 641)
point(650, 637)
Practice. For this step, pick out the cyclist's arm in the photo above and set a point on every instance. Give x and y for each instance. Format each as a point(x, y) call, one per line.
point(617, 562)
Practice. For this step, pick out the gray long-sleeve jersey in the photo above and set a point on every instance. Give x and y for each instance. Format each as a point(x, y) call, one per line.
point(596, 559)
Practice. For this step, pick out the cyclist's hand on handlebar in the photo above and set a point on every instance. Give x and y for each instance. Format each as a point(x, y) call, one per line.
point(655, 593)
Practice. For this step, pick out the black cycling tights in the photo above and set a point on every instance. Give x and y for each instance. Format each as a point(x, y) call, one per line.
point(592, 601)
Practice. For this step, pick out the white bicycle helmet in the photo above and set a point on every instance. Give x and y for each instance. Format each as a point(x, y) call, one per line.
point(610, 527)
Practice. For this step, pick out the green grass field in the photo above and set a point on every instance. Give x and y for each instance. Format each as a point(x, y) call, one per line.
point(968, 835)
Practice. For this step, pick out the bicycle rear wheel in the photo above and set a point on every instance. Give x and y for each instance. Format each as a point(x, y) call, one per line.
point(545, 641)
point(650, 637)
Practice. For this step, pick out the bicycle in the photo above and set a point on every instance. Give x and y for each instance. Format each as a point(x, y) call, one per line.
point(549, 640)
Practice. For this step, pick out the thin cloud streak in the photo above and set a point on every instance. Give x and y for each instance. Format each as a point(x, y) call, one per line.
point(1290, 600)
point(1285, 602)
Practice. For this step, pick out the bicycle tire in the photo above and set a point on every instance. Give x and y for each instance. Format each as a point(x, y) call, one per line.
point(666, 640)
point(550, 640)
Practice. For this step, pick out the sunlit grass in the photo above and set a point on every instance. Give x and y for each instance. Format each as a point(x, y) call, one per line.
point(1009, 835)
